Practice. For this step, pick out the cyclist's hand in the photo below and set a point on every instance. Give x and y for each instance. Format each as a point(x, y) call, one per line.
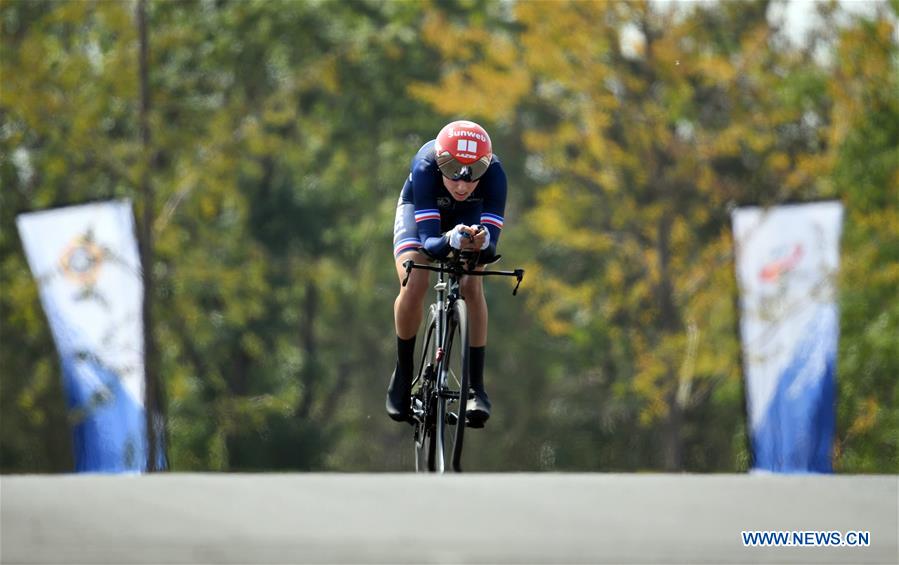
point(460, 237)
point(468, 238)
point(480, 238)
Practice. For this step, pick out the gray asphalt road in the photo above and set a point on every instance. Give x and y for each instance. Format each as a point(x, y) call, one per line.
point(495, 518)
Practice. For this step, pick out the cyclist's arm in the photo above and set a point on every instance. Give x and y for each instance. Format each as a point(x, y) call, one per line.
point(427, 215)
point(494, 207)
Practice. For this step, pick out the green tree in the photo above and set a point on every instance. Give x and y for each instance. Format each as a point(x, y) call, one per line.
point(643, 127)
point(281, 136)
point(68, 94)
point(863, 165)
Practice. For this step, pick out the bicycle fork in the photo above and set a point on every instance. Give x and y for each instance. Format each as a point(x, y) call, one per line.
point(443, 311)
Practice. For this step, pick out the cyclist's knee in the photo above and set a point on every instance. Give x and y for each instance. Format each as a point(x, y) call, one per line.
point(416, 287)
point(472, 288)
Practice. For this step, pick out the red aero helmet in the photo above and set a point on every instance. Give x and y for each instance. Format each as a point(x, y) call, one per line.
point(463, 151)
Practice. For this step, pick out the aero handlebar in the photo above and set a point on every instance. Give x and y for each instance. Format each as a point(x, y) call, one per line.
point(457, 266)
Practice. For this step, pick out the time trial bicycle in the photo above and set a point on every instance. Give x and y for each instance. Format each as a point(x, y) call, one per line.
point(440, 389)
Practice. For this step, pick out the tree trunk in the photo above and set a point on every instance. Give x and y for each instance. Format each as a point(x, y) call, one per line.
point(309, 343)
point(669, 324)
point(673, 435)
point(153, 395)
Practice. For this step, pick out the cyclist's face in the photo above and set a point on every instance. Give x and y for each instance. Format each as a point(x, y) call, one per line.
point(459, 189)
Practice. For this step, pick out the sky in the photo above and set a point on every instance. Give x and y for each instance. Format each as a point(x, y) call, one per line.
point(801, 16)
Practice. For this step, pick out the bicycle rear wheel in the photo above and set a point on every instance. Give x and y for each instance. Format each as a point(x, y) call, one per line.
point(452, 389)
point(423, 404)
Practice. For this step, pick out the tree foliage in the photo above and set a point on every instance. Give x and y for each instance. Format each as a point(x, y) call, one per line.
point(281, 135)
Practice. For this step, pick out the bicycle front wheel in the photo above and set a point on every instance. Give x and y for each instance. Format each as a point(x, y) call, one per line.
point(423, 399)
point(452, 397)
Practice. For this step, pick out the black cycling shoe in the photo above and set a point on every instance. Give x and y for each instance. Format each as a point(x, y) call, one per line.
point(477, 411)
point(398, 397)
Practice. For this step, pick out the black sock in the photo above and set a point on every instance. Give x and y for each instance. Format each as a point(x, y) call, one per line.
point(405, 356)
point(476, 368)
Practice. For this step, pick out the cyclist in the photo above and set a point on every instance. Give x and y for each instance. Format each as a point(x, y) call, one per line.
point(454, 198)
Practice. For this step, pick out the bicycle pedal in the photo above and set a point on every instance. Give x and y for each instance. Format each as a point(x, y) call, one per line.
point(452, 418)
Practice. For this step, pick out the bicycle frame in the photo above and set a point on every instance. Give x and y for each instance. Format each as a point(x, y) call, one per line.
point(449, 274)
point(447, 293)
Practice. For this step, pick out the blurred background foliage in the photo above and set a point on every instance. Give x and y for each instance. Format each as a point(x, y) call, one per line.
point(281, 134)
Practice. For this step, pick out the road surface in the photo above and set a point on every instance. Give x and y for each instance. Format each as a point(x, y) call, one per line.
point(393, 518)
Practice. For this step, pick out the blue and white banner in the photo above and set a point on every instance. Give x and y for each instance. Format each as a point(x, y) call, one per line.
point(86, 262)
point(786, 260)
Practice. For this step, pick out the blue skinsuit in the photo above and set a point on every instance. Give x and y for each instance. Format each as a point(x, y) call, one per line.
point(426, 210)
